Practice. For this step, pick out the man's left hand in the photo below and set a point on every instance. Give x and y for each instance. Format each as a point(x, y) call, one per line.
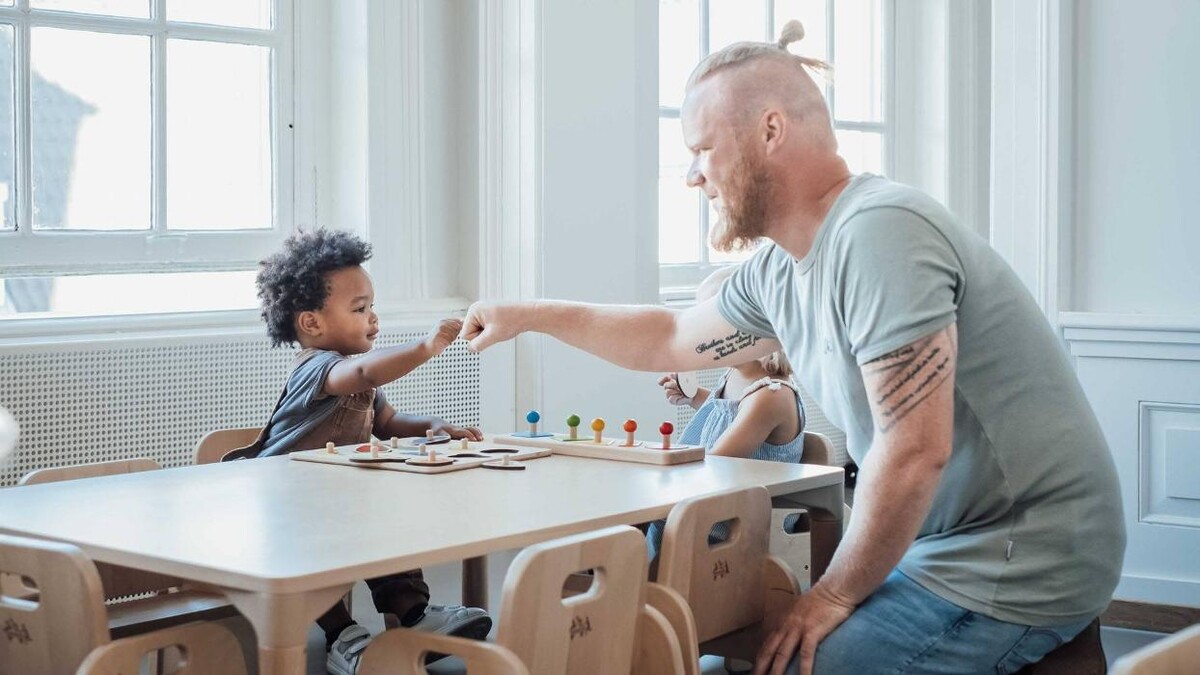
point(814, 615)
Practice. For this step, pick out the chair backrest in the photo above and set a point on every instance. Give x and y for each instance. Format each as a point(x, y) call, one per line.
point(53, 626)
point(117, 581)
point(206, 649)
point(593, 632)
point(96, 469)
point(818, 449)
point(721, 582)
point(1178, 654)
point(216, 443)
point(401, 652)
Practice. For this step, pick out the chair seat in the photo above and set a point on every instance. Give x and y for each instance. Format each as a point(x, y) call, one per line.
point(133, 617)
point(1083, 655)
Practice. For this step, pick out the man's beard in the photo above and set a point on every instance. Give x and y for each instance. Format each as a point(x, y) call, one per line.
point(742, 222)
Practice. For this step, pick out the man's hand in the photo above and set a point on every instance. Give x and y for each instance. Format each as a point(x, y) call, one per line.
point(814, 616)
point(439, 427)
point(490, 322)
point(440, 337)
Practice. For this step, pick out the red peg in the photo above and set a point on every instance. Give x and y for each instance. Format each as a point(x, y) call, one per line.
point(630, 426)
point(666, 429)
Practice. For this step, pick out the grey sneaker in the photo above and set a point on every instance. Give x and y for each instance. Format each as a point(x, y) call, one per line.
point(467, 622)
point(347, 650)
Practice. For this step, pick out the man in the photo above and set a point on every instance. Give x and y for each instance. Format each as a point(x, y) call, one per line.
point(987, 526)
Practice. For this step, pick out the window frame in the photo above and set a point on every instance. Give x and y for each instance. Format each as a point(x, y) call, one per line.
point(26, 252)
point(678, 281)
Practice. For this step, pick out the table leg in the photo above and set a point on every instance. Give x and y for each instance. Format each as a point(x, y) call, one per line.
point(475, 582)
point(824, 506)
point(281, 622)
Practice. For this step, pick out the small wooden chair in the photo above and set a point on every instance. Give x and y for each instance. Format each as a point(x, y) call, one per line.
point(216, 443)
point(60, 620)
point(138, 601)
point(608, 629)
point(206, 649)
point(1178, 654)
point(730, 587)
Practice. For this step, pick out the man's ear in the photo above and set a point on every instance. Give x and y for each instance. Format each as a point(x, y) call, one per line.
point(774, 128)
point(309, 323)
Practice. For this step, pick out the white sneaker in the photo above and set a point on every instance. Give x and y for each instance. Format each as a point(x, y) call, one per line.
point(347, 650)
point(468, 622)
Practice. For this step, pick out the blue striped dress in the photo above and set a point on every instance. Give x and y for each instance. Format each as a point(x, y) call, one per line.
point(711, 421)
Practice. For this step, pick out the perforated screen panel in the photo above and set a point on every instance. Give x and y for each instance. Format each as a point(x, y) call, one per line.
point(76, 406)
point(816, 419)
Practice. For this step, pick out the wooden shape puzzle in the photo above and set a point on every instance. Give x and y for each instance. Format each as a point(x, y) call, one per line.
point(412, 460)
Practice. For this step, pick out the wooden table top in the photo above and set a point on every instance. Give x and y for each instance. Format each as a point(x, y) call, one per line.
point(281, 526)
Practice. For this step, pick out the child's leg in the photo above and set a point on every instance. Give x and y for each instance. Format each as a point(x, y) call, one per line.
point(406, 595)
point(334, 622)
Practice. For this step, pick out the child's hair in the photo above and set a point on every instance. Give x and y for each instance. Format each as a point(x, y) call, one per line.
point(293, 280)
point(775, 363)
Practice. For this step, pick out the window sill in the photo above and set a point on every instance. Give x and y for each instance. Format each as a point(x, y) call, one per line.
point(18, 334)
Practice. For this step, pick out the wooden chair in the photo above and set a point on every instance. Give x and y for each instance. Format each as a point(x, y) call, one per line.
point(216, 443)
point(138, 601)
point(1178, 654)
point(608, 629)
point(57, 626)
point(792, 541)
point(727, 589)
point(205, 649)
point(1083, 655)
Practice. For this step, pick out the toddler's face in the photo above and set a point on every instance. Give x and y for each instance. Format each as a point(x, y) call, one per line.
point(348, 319)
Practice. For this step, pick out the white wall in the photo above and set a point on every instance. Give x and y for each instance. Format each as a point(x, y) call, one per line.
point(1137, 157)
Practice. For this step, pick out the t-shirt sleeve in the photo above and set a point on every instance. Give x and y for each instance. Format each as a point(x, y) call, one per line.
point(308, 379)
point(740, 299)
point(901, 280)
point(380, 401)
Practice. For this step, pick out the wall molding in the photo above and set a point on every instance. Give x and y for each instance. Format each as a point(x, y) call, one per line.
point(1131, 336)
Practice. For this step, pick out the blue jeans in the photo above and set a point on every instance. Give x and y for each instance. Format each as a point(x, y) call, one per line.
point(904, 628)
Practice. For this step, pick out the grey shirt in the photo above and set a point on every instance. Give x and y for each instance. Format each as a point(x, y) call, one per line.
point(1026, 525)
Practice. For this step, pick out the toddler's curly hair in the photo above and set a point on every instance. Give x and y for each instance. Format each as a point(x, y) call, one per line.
point(293, 280)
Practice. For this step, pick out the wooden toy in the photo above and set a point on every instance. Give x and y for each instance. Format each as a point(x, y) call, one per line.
point(598, 429)
point(417, 460)
point(532, 417)
point(503, 464)
point(688, 383)
point(330, 448)
point(630, 428)
point(395, 442)
point(464, 444)
point(573, 427)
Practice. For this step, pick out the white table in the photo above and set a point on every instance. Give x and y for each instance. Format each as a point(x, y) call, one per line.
point(283, 540)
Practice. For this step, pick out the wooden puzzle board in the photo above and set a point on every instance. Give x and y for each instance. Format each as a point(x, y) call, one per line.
point(476, 454)
point(610, 449)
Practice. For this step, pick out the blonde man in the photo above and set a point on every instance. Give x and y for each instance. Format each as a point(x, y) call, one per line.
point(987, 526)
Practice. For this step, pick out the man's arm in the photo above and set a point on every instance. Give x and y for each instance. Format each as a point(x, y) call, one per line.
point(911, 393)
point(638, 337)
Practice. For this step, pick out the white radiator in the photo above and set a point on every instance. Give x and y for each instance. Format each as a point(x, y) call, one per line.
point(77, 405)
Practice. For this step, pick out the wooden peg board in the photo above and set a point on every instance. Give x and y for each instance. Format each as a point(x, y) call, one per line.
point(476, 453)
point(610, 448)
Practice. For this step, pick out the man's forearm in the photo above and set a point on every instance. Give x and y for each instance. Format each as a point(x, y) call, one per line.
point(637, 337)
point(891, 502)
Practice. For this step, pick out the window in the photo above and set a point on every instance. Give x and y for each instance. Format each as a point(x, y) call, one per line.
point(854, 36)
point(145, 149)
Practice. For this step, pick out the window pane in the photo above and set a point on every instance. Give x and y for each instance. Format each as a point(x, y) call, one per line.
point(678, 47)
point(8, 166)
point(218, 136)
point(811, 13)
point(133, 8)
point(97, 295)
point(858, 60)
point(678, 205)
point(90, 130)
point(242, 13)
point(862, 150)
point(732, 21)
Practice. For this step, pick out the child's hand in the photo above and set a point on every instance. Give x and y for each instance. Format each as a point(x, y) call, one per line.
point(671, 388)
point(442, 335)
point(443, 427)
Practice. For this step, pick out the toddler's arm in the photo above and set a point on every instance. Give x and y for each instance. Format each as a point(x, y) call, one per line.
point(381, 366)
point(389, 422)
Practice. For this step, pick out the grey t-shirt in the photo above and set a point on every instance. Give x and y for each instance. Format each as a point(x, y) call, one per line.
point(1026, 525)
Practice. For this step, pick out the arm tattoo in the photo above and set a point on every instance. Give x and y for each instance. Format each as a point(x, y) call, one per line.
point(899, 381)
point(734, 342)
